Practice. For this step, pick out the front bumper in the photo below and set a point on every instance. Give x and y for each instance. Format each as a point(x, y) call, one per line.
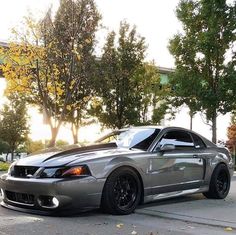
point(74, 194)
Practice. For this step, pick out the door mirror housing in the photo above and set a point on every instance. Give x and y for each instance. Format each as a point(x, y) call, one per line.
point(167, 147)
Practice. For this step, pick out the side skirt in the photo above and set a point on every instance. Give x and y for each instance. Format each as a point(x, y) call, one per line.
point(176, 193)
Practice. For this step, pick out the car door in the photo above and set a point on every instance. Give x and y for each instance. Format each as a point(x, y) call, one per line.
point(179, 168)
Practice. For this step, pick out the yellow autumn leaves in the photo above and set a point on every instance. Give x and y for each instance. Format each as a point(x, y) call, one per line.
point(25, 69)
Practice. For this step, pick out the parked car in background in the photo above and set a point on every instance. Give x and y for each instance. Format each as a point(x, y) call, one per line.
point(123, 169)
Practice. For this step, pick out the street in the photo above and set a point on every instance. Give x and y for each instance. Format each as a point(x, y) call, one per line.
point(186, 215)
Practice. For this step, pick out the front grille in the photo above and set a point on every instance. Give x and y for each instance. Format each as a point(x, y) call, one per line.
point(22, 198)
point(23, 171)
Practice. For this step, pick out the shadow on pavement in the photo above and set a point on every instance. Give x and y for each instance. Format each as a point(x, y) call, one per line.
point(175, 200)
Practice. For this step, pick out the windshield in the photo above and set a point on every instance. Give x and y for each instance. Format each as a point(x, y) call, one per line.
point(139, 138)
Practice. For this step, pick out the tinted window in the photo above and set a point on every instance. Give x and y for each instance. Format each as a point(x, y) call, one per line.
point(180, 139)
point(198, 141)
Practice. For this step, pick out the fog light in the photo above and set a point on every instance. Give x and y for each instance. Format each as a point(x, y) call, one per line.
point(48, 202)
point(55, 202)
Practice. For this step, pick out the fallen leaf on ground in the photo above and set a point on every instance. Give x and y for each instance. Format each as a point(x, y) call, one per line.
point(120, 225)
point(134, 233)
point(228, 229)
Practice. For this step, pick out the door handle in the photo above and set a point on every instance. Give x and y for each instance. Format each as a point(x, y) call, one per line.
point(195, 156)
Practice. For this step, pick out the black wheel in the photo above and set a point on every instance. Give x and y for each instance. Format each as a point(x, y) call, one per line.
point(220, 183)
point(122, 192)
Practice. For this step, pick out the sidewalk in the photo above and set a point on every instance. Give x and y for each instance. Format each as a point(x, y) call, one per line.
point(197, 209)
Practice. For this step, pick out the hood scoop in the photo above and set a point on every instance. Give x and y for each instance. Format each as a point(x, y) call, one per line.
point(84, 149)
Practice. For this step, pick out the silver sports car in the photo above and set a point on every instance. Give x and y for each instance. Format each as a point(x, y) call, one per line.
point(123, 169)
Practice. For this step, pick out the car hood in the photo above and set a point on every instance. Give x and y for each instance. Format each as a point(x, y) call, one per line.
point(54, 159)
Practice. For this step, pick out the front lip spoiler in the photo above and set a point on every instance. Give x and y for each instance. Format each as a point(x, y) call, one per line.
point(42, 212)
point(32, 211)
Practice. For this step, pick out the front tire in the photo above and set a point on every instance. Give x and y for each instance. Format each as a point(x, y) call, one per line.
point(122, 192)
point(219, 184)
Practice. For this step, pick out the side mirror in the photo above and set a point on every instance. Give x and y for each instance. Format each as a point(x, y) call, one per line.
point(167, 147)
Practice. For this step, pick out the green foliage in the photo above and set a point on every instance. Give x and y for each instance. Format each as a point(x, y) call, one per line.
point(4, 147)
point(153, 95)
point(33, 146)
point(160, 111)
point(204, 80)
point(128, 88)
point(61, 143)
point(118, 83)
point(38, 145)
point(13, 126)
point(4, 166)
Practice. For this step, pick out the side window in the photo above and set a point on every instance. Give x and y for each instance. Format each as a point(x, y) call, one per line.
point(199, 144)
point(181, 139)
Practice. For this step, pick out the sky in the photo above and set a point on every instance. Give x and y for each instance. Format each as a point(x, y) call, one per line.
point(155, 20)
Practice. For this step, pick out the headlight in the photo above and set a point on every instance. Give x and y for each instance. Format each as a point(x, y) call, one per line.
point(64, 172)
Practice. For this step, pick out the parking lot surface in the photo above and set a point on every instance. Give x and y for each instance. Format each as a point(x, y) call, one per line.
point(196, 208)
point(180, 216)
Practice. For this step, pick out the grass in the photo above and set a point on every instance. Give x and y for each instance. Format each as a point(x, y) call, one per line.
point(4, 166)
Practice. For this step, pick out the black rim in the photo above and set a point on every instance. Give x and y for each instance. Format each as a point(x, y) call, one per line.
point(125, 191)
point(222, 182)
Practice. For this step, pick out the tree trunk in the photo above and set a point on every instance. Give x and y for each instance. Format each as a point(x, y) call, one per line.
point(54, 133)
point(7, 156)
point(75, 132)
point(191, 120)
point(214, 127)
point(191, 115)
point(12, 155)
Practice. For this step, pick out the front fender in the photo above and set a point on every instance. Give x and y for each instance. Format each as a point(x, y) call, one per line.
point(121, 162)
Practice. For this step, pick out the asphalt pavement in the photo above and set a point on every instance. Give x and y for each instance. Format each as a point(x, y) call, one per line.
point(187, 215)
point(96, 223)
point(196, 208)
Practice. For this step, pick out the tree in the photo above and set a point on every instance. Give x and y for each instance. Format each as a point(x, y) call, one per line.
point(152, 94)
point(82, 18)
point(117, 87)
point(13, 126)
point(33, 146)
point(4, 147)
point(182, 93)
point(204, 76)
point(45, 63)
point(231, 134)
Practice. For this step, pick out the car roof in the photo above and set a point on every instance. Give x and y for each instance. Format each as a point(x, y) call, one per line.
point(142, 127)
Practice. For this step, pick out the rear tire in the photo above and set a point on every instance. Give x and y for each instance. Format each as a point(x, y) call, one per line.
point(122, 192)
point(219, 184)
